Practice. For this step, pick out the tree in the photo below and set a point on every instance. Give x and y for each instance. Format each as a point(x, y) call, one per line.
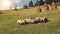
point(15, 6)
point(37, 3)
point(48, 1)
point(10, 8)
point(41, 2)
point(25, 6)
point(31, 4)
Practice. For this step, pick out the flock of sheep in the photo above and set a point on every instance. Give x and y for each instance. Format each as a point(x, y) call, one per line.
point(32, 20)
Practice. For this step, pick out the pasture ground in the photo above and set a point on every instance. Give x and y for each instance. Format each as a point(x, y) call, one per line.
point(8, 23)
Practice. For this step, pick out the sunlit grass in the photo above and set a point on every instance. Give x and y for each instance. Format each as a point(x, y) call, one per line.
point(8, 23)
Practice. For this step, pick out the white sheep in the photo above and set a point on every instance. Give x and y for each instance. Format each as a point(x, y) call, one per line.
point(28, 20)
point(43, 19)
point(21, 21)
point(18, 21)
point(37, 19)
point(32, 21)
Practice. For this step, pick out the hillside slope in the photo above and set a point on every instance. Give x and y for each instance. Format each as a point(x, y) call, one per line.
point(8, 23)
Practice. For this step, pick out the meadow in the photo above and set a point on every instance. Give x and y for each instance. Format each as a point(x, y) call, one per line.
point(8, 24)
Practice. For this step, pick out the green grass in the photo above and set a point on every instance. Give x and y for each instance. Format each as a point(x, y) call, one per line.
point(8, 23)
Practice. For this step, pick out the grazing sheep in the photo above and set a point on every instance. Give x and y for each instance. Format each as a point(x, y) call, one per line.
point(28, 20)
point(32, 21)
point(43, 19)
point(21, 21)
point(37, 20)
point(18, 21)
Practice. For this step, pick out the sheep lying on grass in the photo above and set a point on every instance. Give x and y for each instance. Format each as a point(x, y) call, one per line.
point(37, 20)
point(21, 21)
point(43, 19)
point(32, 20)
point(28, 20)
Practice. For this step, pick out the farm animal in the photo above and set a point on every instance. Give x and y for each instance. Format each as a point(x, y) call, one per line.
point(32, 20)
point(28, 20)
point(37, 19)
point(43, 19)
point(21, 21)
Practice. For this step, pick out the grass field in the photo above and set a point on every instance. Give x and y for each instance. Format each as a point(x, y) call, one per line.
point(8, 23)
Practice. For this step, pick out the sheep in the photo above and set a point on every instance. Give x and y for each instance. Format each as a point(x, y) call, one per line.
point(37, 20)
point(18, 21)
point(21, 21)
point(43, 19)
point(32, 21)
point(28, 20)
